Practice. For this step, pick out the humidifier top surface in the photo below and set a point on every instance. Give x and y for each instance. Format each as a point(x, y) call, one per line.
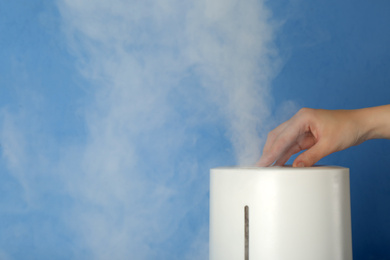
point(281, 168)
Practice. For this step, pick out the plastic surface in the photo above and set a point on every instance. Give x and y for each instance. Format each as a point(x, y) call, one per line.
point(292, 213)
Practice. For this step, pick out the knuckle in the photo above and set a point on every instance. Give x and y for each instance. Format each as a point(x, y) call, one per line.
point(301, 111)
point(271, 135)
point(305, 114)
point(271, 138)
point(305, 111)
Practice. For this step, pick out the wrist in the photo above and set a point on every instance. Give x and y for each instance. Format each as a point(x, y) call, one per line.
point(374, 122)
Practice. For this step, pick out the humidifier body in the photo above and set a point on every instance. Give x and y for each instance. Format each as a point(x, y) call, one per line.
point(280, 213)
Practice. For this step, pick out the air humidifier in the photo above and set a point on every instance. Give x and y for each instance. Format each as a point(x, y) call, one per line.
point(280, 213)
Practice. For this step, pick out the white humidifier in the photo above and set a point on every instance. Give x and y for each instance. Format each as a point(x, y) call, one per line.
point(280, 213)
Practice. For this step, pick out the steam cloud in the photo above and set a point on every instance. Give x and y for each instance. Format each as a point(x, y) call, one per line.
point(164, 75)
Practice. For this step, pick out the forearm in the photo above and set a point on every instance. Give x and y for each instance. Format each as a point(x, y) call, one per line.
point(375, 122)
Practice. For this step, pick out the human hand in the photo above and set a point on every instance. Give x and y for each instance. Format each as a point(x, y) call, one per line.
point(320, 131)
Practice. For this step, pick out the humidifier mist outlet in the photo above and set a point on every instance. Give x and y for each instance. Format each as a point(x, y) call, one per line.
point(280, 213)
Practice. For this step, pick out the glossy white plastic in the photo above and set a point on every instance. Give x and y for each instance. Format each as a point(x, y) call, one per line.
point(291, 213)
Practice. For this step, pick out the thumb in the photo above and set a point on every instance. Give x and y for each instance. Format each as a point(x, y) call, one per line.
point(311, 156)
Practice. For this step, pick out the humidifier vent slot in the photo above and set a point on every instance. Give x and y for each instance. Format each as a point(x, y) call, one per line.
point(246, 217)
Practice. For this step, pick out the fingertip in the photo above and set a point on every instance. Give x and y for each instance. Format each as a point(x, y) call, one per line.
point(301, 162)
point(260, 163)
point(299, 165)
point(263, 162)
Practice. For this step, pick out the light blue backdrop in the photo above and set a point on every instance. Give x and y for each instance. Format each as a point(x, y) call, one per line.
point(112, 113)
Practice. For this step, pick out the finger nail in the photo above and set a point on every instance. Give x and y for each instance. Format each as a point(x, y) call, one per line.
point(301, 164)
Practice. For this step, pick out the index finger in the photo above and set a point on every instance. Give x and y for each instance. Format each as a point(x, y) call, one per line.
point(267, 159)
point(280, 140)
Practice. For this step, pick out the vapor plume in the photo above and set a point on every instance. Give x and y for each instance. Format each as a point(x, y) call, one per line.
point(163, 76)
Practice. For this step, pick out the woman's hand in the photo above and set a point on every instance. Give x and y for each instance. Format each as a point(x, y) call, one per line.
point(323, 132)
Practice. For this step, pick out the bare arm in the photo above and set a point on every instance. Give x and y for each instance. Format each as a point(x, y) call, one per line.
point(375, 121)
point(322, 132)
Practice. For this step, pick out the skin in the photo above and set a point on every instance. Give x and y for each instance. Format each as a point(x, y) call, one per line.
point(321, 132)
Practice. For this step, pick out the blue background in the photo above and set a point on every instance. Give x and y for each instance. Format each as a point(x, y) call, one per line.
point(59, 125)
point(339, 59)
